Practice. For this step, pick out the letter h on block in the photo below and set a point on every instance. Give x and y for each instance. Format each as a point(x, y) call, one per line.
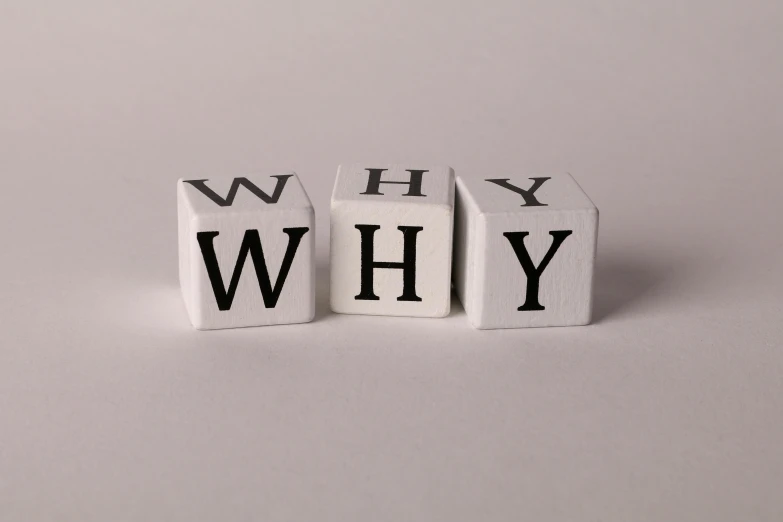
point(246, 251)
point(391, 240)
point(524, 251)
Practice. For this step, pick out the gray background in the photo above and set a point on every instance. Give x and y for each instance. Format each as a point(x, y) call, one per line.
point(112, 407)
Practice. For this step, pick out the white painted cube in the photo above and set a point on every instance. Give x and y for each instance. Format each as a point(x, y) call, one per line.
point(524, 251)
point(391, 240)
point(246, 250)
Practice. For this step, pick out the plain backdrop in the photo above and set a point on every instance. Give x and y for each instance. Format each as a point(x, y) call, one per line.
point(669, 407)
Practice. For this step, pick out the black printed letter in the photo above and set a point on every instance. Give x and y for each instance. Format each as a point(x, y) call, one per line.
point(374, 182)
point(408, 265)
point(528, 195)
point(517, 240)
point(232, 192)
point(251, 243)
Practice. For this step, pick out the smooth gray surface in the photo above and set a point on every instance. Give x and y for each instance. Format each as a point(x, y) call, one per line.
point(670, 116)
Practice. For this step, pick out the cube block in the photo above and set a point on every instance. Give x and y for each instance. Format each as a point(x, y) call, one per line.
point(391, 240)
point(246, 250)
point(524, 251)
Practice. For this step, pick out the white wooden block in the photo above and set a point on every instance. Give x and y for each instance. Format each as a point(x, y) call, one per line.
point(391, 240)
point(524, 251)
point(246, 250)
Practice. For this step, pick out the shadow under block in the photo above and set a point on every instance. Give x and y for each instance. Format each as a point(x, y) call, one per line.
point(524, 251)
point(391, 240)
point(246, 251)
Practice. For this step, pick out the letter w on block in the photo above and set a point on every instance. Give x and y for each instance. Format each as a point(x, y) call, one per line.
point(251, 243)
point(232, 192)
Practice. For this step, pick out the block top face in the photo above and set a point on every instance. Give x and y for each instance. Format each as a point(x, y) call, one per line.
point(497, 194)
point(415, 184)
point(247, 193)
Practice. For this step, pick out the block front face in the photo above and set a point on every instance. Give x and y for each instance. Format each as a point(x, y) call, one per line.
point(558, 250)
point(525, 266)
point(391, 253)
point(251, 266)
